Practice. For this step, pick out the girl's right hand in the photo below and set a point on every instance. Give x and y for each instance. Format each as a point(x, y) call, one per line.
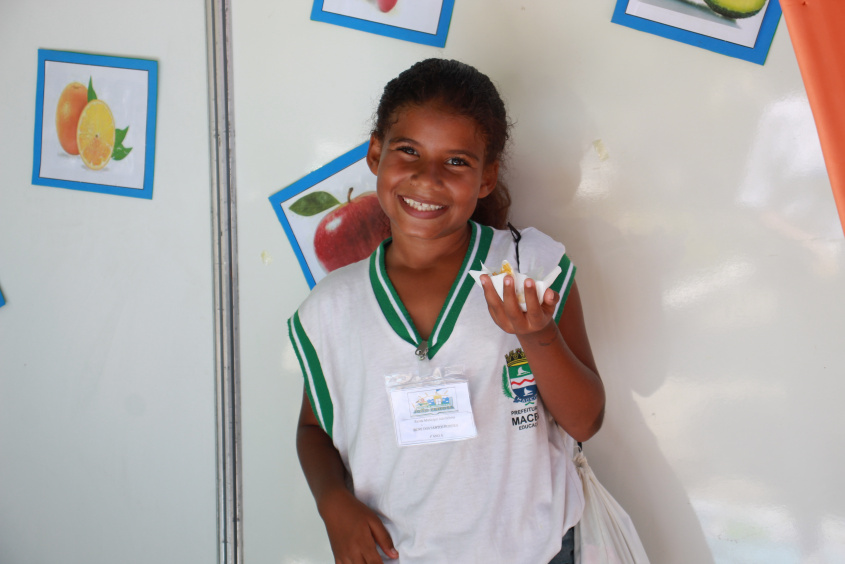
point(354, 530)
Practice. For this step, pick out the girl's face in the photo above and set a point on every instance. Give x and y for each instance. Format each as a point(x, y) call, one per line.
point(431, 171)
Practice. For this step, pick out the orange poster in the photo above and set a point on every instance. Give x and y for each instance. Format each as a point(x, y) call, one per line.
point(815, 27)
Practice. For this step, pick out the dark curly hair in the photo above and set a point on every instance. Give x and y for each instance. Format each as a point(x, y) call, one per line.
point(467, 92)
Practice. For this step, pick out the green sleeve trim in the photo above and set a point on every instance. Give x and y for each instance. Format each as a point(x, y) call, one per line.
point(315, 381)
point(563, 284)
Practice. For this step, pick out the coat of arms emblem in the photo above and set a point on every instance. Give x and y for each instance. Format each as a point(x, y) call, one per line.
point(517, 379)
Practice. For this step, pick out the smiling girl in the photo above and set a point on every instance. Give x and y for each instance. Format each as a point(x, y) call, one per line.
point(474, 467)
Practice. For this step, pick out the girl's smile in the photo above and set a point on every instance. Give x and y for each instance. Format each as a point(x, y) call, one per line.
point(431, 172)
point(420, 206)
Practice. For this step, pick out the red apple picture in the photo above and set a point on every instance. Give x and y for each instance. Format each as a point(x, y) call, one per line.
point(386, 5)
point(351, 231)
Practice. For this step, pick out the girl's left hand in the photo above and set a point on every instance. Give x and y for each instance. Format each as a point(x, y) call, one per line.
point(509, 316)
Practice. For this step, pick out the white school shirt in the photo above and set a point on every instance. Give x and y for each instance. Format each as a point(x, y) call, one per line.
point(506, 496)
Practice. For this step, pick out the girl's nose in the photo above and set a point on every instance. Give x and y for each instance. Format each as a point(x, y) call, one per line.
point(427, 174)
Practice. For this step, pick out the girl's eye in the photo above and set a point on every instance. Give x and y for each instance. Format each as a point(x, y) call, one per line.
point(406, 149)
point(457, 161)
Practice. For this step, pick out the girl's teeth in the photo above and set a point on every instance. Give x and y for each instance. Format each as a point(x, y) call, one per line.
point(420, 206)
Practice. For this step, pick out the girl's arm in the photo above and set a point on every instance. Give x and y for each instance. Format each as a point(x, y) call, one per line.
point(353, 528)
point(559, 354)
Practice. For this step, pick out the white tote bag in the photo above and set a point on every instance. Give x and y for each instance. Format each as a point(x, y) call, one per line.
point(605, 534)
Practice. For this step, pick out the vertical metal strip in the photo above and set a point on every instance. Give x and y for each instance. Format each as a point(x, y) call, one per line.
point(224, 223)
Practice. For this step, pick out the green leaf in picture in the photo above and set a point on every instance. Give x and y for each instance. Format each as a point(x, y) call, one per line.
point(91, 94)
point(120, 135)
point(120, 153)
point(314, 203)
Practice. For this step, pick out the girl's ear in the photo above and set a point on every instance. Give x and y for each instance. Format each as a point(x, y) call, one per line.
point(374, 154)
point(489, 179)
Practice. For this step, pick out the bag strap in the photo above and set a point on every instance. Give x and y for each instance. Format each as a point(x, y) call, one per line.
point(516, 237)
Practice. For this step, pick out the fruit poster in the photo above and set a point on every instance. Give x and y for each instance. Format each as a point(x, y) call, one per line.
point(738, 28)
point(332, 216)
point(419, 21)
point(95, 123)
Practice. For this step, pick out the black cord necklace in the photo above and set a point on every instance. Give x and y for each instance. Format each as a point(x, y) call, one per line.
point(516, 237)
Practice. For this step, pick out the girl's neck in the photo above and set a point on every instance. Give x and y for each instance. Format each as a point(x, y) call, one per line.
point(411, 253)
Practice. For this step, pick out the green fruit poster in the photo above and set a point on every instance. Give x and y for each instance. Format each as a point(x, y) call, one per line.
point(738, 28)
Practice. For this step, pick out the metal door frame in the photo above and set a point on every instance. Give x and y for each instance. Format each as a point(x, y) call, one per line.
point(226, 310)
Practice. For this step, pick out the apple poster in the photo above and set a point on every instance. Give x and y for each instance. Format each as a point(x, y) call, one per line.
point(332, 217)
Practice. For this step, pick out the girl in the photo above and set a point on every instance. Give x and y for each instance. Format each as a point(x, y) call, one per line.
point(489, 479)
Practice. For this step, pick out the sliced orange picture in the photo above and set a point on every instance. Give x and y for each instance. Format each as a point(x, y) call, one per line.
point(95, 134)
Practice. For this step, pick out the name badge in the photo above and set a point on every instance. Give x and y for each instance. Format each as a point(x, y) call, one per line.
point(432, 413)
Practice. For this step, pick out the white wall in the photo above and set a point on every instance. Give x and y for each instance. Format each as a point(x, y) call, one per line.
point(711, 262)
point(107, 409)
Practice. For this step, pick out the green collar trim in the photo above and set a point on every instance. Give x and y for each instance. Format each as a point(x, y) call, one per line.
point(396, 314)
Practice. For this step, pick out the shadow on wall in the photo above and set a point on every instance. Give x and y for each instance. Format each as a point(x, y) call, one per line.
point(628, 336)
point(557, 162)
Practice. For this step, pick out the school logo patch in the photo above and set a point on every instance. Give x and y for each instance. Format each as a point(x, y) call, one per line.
point(517, 379)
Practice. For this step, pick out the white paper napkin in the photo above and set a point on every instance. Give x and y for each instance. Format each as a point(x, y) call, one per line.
point(519, 281)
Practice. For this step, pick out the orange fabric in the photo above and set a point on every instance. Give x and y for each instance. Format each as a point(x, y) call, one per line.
point(816, 29)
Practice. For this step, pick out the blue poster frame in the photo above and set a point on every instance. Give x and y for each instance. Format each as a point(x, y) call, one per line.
point(437, 39)
point(756, 54)
point(310, 180)
point(147, 65)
